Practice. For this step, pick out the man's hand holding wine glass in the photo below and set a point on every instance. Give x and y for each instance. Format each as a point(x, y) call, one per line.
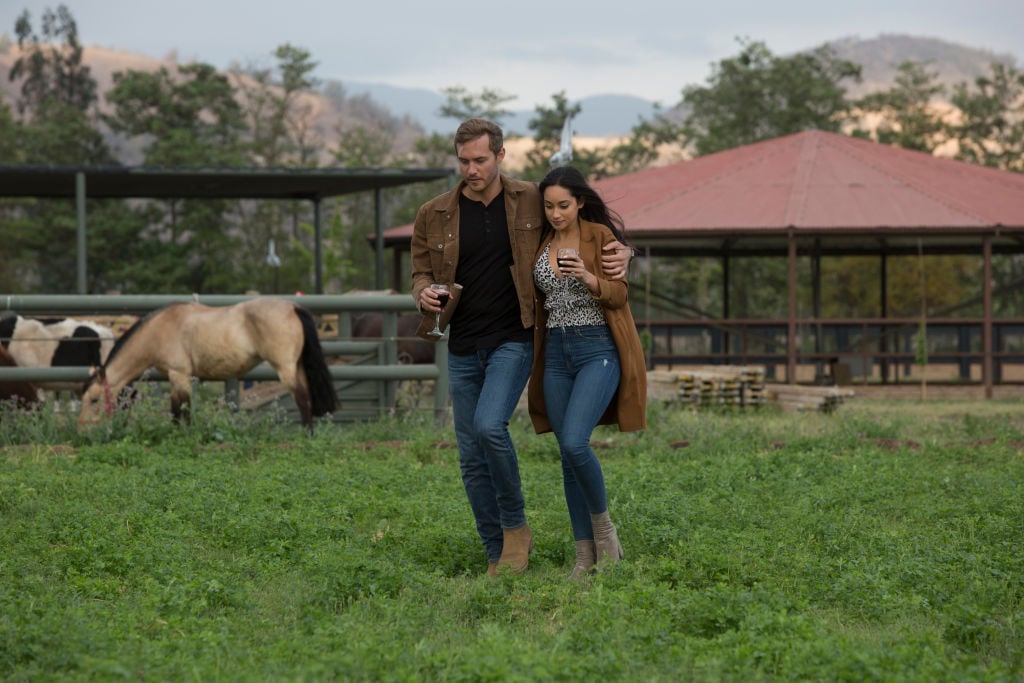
point(440, 295)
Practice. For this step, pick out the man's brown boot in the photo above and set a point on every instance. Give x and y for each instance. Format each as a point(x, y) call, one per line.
point(515, 553)
point(492, 569)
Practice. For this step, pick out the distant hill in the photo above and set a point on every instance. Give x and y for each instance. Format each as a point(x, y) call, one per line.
point(879, 57)
point(615, 115)
point(407, 111)
point(600, 115)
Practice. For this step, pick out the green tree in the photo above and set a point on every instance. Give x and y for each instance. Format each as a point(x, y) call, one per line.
point(435, 150)
point(362, 147)
point(50, 65)
point(57, 94)
point(11, 133)
point(750, 97)
point(348, 256)
point(56, 124)
point(991, 131)
point(461, 104)
point(281, 119)
point(189, 119)
point(641, 147)
point(907, 117)
point(952, 283)
point(547, 135)
point(757, 96)
point(757, 287)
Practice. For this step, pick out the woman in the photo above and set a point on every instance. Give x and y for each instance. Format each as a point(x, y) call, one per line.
point(588, 366)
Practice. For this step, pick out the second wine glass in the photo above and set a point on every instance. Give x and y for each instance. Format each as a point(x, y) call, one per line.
point(563, 256)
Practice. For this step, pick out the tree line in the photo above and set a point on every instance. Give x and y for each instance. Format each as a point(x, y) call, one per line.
point(193, 115)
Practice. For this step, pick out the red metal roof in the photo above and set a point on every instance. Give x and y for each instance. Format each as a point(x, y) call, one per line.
point(814, 183)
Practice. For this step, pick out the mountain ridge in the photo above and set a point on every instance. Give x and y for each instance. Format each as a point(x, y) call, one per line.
point(602, 116)
point(613, 114)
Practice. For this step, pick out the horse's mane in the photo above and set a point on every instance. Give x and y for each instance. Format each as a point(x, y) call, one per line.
point(123, 339)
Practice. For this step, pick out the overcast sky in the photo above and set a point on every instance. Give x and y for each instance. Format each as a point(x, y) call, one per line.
point(530, 49)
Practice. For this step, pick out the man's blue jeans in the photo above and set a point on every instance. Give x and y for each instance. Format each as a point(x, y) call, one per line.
point(485, 388)
point(581, 375)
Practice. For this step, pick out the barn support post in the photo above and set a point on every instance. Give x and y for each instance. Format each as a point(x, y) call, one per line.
point(80, 207)
point(726, 342)
point(883, 338)
point(986, 327)
point(649, 351)
point(318, 232)
point(378, 222)
point(819, 365)
point(791, 341)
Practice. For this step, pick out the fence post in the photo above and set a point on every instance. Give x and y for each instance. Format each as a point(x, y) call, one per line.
point(232, 395)
point(441, 383)
point(389, 356)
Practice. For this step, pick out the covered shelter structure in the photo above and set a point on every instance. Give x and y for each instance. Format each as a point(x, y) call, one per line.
point(120, 182)
point(810, 195)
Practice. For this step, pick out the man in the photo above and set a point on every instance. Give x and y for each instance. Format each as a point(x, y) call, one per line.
point(483, 235)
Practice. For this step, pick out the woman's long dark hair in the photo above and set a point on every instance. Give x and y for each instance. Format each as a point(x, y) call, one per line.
point(594, 209)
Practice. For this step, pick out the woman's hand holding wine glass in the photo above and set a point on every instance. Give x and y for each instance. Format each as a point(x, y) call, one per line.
point(570, 264)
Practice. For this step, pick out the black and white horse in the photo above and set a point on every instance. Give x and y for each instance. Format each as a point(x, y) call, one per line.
point(56, 342)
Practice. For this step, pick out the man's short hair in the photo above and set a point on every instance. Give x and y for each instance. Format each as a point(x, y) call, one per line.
point(473, 128)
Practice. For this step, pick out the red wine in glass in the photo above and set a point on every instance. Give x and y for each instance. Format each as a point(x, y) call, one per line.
point(564, 256)
point(442, 292)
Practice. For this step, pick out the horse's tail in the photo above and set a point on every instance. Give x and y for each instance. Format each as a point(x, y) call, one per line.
point(318, 376)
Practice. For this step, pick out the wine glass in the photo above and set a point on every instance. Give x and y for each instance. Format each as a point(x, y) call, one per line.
point(564, 256)
point(442, 301)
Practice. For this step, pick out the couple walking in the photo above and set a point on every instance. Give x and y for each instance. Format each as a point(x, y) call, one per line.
point(520, 312)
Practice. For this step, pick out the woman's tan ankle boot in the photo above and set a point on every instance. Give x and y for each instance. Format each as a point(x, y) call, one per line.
point(606, 539)
point(586, 555)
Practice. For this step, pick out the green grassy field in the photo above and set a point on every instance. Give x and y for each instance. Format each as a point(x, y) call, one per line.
point(880, 543)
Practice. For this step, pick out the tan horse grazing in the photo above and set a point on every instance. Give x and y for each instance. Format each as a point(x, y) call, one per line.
point(186, 340)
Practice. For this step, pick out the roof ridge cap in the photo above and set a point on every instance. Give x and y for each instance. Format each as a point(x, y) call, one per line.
point(796, 202)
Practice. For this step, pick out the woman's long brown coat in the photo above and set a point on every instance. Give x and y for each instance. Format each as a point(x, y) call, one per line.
point(628, 408)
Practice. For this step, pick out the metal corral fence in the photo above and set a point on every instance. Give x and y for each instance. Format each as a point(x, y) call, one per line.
point(367, 384)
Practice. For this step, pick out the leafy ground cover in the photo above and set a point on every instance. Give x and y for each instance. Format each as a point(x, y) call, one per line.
point(881, 543)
